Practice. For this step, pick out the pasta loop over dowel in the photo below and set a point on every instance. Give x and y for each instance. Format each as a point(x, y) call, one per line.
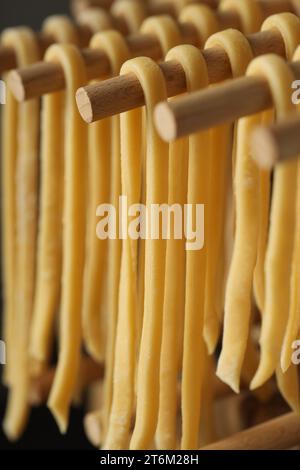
point(165, 29)
point(62, 29)
point(249, 11)
point(203, 18)
point(95, 19)
point(133, 12)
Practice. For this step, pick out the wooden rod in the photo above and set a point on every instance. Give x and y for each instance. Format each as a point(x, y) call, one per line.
point(8, 59)
point(42, 78)
point(120, 94)
point(271, 7)
point(276, 143)
point(40, 387)
point(78, 5)
point(277, 434)
point(212, 107)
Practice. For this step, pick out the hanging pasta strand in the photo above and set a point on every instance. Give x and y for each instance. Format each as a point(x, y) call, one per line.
point(95, 277)
point(157, 159)
point(115, 47)
point(277, 266)
point(21, 168)
point(239, 53)
point(293, 324)
point(174, 297)
point(249, 199)
point(193, 346)
point(156, 186)
point(49, 249)
point(73, 236)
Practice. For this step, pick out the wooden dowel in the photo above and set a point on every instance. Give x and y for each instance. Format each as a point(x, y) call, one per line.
point(271, 7)
point(8, 57)
point(209, 108)
point(78, 5)
point(276, 143)
point(40, 386)
point(42, 77)
point(277, 434)
point(120, 94)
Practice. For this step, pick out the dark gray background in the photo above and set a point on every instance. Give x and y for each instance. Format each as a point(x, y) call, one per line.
point(29, 12)
point(42, 432)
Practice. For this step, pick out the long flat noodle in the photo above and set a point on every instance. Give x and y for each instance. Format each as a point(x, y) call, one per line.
point(73, 235)
point(250, 364)
point(249, 11)
point(148, 387)
point(263, 230)
point(8, 173)
point(62, 29)
point(277, 265)
point(49, 254)
point(174, 297)
point(100, 286)
point(238, 295)
point(22, 172)
point(204, 20)
point(194, 348)
point(239, 53)
point(149, 74)
point(96, 19)
point(166, 433)
point(287, 25)
point(174, 293)
point(123, 390)
point(293, 324)
point(132, 12)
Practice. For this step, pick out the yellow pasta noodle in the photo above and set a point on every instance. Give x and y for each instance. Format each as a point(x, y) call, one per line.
point(73, 235)
point(203, 18)
point(239, 53)
point(128, 308)
point(238, 294)
point(194, 347)
point(49, 262)
point(277, 266)
point(105, 133)
point(157, 160)
point(132, 12)
point(250, 13)
point(20, 167)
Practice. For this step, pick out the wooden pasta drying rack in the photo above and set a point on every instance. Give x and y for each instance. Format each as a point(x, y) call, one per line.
point(98, 101)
